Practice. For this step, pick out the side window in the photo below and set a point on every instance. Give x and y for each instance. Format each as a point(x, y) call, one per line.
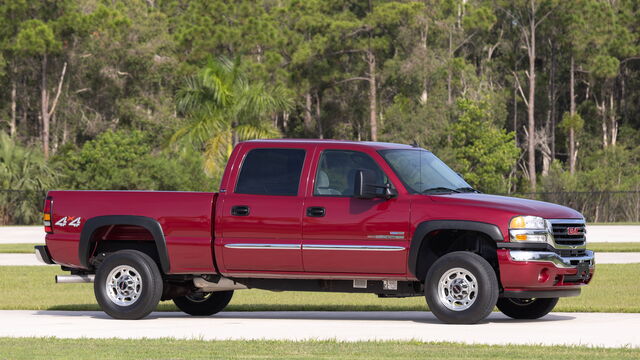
point(337, 171)
point(271, 172)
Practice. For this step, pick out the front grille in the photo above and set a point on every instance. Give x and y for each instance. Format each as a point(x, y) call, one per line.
point(571, 253)
point(569, 232)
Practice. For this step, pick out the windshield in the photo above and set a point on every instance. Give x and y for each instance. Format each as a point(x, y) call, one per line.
point(421, 172)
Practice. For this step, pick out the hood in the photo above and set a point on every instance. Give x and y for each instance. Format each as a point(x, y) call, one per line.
point(517, 206)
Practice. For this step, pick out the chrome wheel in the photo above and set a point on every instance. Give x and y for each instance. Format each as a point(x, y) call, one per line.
point(124, 285)
point(457, 289)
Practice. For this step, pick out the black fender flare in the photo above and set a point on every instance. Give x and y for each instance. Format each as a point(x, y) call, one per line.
point(424, 228)
point(90, 226)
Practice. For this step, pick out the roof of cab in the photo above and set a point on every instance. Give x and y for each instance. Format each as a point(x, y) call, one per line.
point(371, 144)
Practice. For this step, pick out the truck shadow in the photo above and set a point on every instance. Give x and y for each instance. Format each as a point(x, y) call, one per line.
point(414, 316)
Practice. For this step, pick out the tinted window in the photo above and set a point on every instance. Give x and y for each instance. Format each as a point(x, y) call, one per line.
point(271, 172)
point(337, 172)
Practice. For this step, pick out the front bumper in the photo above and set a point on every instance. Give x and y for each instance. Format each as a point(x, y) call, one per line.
point(525, 273)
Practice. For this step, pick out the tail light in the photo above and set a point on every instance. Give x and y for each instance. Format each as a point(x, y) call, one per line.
point(47, 213)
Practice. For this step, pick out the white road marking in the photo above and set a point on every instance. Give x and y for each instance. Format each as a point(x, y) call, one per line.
point(591, 329)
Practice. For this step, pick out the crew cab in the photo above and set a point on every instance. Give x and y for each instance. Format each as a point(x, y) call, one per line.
point(321, 215)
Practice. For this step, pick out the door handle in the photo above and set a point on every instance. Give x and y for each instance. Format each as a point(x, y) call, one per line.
point(240, 210)
point(316, 211)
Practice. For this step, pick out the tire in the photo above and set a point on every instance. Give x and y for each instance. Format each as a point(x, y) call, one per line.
point(526, 308)
point(128, 285)
point(203, 304)
point(461, 288)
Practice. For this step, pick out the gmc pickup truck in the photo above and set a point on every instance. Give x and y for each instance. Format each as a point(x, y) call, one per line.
point(321, 215)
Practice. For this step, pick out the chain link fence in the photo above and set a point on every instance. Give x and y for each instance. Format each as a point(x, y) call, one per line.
point(22, 207)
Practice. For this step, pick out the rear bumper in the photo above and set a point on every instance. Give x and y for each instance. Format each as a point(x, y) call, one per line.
point(42, 254)
point(529, 274)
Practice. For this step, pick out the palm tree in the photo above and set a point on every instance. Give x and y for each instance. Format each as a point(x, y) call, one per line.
point(24, 177)
point(222, 108)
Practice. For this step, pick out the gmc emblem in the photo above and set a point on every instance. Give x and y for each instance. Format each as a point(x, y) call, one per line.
point(574, 231)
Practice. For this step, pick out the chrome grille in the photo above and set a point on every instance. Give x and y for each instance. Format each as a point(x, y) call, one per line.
point(569, 232)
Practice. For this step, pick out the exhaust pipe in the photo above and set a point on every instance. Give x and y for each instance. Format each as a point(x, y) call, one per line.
point(74, 279)
point(224, 284)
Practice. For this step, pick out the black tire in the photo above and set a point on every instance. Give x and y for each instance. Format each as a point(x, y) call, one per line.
point(526, 308)
point(470, 304)
point(203, 304)
point(145, 284)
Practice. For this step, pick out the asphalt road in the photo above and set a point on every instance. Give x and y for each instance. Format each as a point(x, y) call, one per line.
point(593, 329)
point(601, 258)
point(595, 233)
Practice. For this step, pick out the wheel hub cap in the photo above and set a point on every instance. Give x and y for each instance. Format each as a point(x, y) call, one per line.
point(457, 289)
point(124, 285)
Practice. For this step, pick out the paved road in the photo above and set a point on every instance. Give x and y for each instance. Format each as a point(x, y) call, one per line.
point(595, 329)
point(601, 258)
point(595, 233)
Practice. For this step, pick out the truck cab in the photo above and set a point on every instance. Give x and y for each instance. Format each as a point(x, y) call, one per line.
point(322, 215)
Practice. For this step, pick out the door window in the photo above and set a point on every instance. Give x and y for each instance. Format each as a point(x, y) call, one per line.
point(337, 171)
point(271, 172)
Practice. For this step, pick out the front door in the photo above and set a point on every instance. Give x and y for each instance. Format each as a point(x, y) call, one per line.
point(343, 234)
point(261, 220)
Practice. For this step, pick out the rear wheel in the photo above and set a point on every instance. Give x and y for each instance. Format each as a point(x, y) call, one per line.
point(461, 288)
point(128, 285)
point(203, 303)
point(526, 308)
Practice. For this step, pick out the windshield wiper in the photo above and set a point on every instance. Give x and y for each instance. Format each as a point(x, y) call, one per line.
point(440, 189)
point(468, 189)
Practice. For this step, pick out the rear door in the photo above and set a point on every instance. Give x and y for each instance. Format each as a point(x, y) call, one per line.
point(262, 211)
point(344, 234)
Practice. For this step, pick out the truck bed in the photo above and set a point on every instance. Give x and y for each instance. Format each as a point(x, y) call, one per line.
point(185, 219)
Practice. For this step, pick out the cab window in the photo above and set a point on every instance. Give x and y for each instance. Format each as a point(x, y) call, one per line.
point(337, 170)
point(271, 172)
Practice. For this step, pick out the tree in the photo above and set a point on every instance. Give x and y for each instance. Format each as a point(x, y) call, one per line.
point(124, 160)
point(24, 176)
point(222, 108)
point(483, 153)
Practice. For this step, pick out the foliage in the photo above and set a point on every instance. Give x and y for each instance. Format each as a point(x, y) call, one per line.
point(483, 153)
point(123, 160)
point(327, 69)
point(223, 107)
point(24, 176)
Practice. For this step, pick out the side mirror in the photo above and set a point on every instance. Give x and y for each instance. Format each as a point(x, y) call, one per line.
point(366, 188)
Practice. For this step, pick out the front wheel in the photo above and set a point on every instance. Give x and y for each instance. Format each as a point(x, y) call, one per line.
point(526, 308)
point(461, 288)
point(203, 303)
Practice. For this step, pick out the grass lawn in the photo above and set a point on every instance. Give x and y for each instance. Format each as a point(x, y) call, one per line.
point(17, 248)
point(53, 348)
point(601, 247)
point(32, 287)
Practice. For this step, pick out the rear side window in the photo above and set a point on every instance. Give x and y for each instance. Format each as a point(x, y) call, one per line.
point(271, 172)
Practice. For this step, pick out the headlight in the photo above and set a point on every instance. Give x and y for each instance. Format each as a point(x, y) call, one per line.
point(529, 228)
point(528, 222)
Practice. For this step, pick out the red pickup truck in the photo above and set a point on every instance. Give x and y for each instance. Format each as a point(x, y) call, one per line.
point(321, 215)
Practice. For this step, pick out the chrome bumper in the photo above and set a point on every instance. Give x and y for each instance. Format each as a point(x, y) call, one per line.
point(555, 259)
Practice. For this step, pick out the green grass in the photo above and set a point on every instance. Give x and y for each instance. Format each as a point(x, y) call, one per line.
point(602, 247)
point(53, 348)
point(614, 247)
point(31, 287)
point(17, 248)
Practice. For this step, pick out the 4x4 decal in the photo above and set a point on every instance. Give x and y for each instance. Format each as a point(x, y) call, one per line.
point(69, 220)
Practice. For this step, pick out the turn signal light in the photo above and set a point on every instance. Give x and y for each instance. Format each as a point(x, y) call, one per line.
point(46, 216)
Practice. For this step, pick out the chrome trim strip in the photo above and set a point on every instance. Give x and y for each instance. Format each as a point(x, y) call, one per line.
point(548, 256)
point(386, 237)
point(264, 246)
point(568, 221)
point(353, 247)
